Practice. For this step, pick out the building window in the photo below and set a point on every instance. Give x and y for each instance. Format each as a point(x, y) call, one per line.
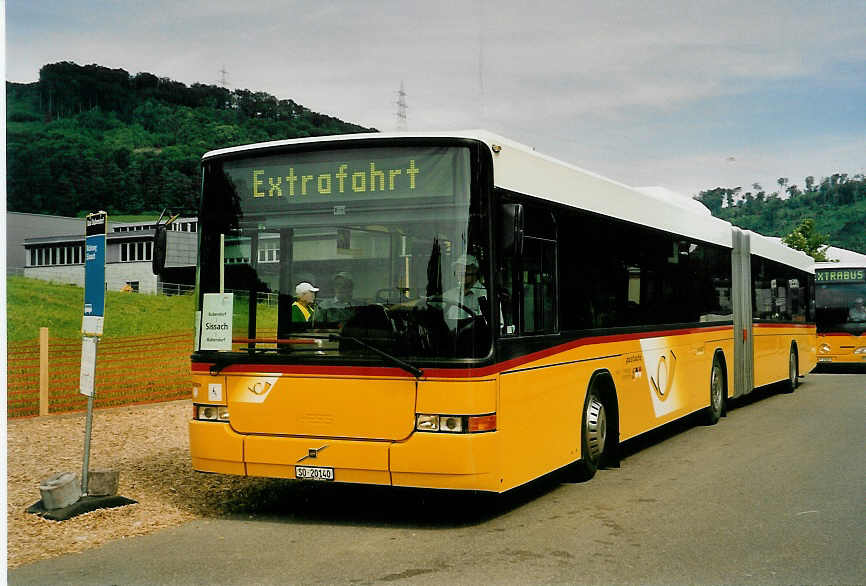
point(269, 251)
point(136, 251)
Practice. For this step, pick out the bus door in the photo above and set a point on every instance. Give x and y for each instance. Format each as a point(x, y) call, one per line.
point(741, 265)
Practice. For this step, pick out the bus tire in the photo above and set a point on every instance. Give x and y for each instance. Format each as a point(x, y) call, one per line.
point(714, 411)
point(793, 371)
point(593, 436)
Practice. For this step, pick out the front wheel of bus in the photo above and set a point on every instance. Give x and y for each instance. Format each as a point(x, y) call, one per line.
point(593, 436)
point(793, 371)
point(717, 393)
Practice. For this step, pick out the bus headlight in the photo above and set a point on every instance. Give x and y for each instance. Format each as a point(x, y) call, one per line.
point(824, 348)
point(860, 350)
point(211, 413)
point(455, 423)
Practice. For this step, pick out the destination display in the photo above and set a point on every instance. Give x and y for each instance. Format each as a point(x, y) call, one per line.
point(346, 176)
point(841, 276)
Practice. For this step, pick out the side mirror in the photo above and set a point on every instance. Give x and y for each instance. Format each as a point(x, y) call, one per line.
point(511, 228)
point(159, 246)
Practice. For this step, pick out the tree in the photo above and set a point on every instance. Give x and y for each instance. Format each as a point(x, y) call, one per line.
point(804, 237)
point(782, 181)
point(712, 198)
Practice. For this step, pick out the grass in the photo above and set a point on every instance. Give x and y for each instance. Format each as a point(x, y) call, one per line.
point(31, 304)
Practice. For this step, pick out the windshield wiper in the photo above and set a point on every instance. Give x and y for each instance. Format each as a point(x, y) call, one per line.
point(222, 361)
point(413, 370)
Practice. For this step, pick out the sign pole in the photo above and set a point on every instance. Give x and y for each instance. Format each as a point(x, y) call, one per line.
point(92, 323)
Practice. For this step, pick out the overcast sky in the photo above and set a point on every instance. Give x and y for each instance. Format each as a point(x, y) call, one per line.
point(686, 94)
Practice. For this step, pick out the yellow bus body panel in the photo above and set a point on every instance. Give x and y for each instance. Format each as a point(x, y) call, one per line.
point(363, 426)
point(464, 396)
point(444, 460)
point(360, 408)
point(364, 462)
point(657, 379)
point(842, 347)
point(216, 448)
point(772, 348)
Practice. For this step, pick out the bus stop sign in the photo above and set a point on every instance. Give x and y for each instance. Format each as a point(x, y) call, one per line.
point(94, 274)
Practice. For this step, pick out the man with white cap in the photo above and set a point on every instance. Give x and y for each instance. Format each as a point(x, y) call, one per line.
point(303, 309)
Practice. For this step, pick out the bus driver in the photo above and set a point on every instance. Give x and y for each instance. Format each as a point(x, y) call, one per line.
point(468, 292)
point(857, 311)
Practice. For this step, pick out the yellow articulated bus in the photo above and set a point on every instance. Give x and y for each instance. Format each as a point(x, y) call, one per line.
point(840, 300)
point(458, 311)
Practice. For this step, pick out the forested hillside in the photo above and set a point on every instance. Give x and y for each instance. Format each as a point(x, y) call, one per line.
point(837, 204)
point(88, 137)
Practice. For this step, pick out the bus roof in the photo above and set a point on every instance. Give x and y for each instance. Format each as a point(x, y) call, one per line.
point(773, 248)
point(520, 168)
point(819, 266)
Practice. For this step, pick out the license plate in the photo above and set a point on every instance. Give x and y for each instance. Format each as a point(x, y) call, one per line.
point(314, 473)
point(825, 359)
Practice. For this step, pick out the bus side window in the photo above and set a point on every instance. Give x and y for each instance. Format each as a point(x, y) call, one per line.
point(527, 281)
point(538, 273)
point(538, 283)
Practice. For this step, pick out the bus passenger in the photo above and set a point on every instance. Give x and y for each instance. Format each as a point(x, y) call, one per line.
point(303, 308)
point(857, 311)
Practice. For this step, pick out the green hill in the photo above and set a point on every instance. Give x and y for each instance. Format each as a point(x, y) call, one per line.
point(90, 137)
point(837, 204)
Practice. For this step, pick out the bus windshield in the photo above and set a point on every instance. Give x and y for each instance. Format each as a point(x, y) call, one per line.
point(840, 307)
point(345, 254)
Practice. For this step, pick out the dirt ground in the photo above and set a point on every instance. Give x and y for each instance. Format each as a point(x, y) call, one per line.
point(147, 444)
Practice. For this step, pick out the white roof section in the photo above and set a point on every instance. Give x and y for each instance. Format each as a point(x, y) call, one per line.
point(834, 266)
point(843, 258)
point(676, 198)
point(519, 168)
point(773, 248)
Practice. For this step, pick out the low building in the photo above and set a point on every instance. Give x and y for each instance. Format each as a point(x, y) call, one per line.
point(20, 226)
point(128, 257)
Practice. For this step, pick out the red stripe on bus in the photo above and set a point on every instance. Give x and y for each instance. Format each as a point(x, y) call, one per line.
point(204, 367)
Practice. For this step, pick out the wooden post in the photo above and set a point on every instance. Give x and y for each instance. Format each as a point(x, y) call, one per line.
point(43, 371)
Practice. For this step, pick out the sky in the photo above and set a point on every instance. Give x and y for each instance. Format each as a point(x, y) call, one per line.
point(686, 94)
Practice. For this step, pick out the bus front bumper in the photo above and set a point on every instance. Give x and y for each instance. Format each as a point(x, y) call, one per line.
point(423, 460)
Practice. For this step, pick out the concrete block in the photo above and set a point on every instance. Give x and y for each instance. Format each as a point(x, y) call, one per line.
point(102, 482)
point(60, 490)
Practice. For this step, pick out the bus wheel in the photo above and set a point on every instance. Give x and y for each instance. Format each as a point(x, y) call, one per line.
point(717, 393)
point(593, 436)
point(793, 371)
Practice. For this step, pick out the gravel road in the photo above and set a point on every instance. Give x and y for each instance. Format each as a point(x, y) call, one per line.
point(148, 444)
